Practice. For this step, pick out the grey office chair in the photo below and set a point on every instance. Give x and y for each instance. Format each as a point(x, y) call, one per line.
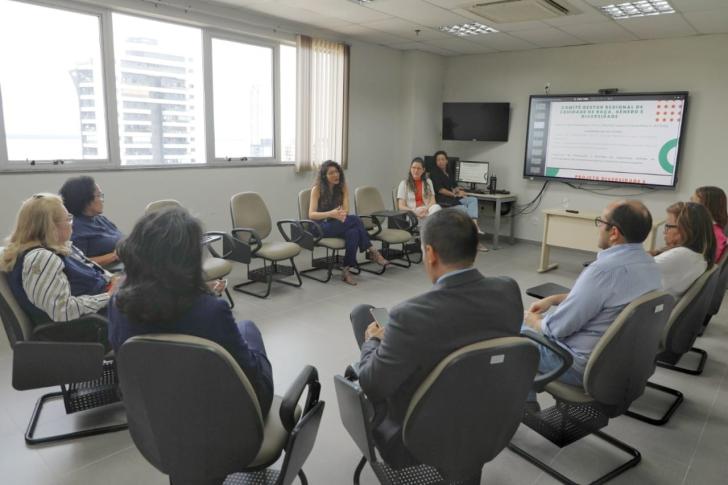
point(251, 225)
point(459, 418)
point(313, 237)
point(409, 223)
point(214, 264)
point(369, 206)
point(678, 337)
point(40, 360)
point(720, 289)
point(194, 415)
point(616, 374)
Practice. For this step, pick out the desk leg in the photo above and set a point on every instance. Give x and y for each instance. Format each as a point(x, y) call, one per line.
point(496, 229)
point(545, 250)
point(512, 221)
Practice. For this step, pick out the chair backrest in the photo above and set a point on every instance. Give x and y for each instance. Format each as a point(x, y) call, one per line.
point(304, 203)
point(720, 286)
point(247, 209)
point(470, 405)
point(17, 324)
point(185, 422)
point(367, 200)
point(161, 204)
point(624, 357)
point(686, 319)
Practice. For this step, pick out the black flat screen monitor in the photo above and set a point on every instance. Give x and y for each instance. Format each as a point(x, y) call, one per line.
point(475, 121)
point(624, 139)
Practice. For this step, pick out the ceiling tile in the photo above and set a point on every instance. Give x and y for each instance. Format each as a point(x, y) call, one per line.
point(370, 35)
point(501, 41)
point(461, 46)
point(709, 21)
point(421, 46)
point(548, 37)
point(287, 12)
point(341, 9)
point(658, 26)
point(419, 12)
point(406, 29)
point(602, 32)
point(690, 5)
point(509, 27)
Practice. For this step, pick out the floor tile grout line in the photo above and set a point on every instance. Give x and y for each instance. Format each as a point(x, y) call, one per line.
point(66, 473)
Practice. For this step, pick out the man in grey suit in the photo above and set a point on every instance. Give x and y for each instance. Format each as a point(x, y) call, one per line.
point(463, 307)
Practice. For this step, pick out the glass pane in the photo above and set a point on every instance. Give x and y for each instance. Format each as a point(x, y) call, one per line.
point(52, 83)
point(159, 92)
point(288, 103)
point(242, 87)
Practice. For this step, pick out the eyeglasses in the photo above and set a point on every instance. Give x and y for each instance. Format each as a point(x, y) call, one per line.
point(598, 222)
point(670, 226)
point(100, 196)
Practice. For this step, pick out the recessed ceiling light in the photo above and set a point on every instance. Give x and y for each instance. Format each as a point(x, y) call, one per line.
point(641, 8)
point(472, 28)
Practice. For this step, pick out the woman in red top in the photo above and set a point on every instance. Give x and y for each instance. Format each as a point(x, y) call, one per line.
point(714, 199)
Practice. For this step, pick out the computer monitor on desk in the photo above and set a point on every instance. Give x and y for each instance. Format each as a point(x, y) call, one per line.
point(472, 173)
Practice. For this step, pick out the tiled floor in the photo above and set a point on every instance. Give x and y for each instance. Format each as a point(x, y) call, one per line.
point(310, 326)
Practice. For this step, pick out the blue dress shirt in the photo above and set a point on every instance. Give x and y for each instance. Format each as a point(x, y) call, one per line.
point(619, 275)
point(95, 235)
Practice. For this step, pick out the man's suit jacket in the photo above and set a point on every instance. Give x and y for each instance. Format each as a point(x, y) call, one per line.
point(461, 309)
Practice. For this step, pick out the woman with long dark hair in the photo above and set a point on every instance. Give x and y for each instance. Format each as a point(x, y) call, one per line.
point(714, 199)
point(164, 292)
point(416, 193)
point(690, 246)
point(330, 205)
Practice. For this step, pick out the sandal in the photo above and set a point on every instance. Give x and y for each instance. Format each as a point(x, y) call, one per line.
point(482, 248)
point(347, 277)
point(377, 257)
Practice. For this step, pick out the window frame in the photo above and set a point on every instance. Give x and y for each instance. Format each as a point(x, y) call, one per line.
point(108, 72)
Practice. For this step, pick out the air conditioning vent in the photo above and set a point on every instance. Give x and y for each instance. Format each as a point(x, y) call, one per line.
point(508, 11)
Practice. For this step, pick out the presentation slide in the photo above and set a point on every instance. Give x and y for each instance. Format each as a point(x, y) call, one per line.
point(626, 139)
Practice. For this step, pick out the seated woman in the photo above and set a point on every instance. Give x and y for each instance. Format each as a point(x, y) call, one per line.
point(448, 194)
point(330, 206)
point(52, 280)
point(93, 233)
point(690, 247)
point(417, 193)
point(163, 292)
point(714, 199)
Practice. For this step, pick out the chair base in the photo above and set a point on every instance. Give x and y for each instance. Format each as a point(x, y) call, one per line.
point(670, 411)
point(685, 370)
point(31, 439)
point(328, 263)
point(230, 298)
point(260, 477)
point(636, 457)
point(411, 475)
point(267, 274)
point(392, 255)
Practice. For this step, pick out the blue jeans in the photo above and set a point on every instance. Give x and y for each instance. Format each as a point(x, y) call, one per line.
point(264, 384)
point(548, 361)
point(354, 234)
point(469, 205)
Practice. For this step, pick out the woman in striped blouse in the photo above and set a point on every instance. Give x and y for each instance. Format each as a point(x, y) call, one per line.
point(51, 279)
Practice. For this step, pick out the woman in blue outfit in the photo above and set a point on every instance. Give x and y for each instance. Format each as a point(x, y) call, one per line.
point(93, 233)
point(164, 292)
point(330, 206)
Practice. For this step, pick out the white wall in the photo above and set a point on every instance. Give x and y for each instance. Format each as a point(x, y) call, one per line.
point(374, 141)
point(695, 64)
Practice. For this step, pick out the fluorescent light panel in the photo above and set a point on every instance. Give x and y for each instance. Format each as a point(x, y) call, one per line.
point(641, 8)
point(464, 30)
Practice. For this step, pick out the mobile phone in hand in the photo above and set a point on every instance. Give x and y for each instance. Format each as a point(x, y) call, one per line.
point(381, 316)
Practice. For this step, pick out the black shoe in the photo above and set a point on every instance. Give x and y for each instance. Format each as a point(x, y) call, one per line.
point(532, 407)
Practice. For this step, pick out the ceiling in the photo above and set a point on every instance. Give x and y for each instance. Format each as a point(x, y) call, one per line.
point(413, 24)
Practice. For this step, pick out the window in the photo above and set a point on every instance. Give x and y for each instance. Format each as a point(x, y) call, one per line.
point(52, 83)
point(242, 86)
point(159, 88)
point(288, 103)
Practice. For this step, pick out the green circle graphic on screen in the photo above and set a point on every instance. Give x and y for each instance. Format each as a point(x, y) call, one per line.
point(551, 171)
point(662, 157)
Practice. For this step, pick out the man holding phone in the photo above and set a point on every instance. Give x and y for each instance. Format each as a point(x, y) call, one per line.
point(463, 307)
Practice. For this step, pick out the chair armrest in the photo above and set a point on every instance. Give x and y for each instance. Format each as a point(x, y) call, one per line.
point(312, 233)
point(240, 250)
point(307, 378)
point(43, 364)
point(91, 328)
point(210, 237)
point(295, 230)
point(539, 383)
point(375, 221)
point(356, 415)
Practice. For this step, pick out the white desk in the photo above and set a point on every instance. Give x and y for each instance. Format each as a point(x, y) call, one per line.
point(498, 200)
point(575, 231)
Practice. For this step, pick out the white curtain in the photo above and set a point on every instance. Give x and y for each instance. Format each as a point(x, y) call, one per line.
point(322, 114)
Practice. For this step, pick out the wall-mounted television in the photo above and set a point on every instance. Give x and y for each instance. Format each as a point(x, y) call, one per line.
point(631, 139)
point(475, 121)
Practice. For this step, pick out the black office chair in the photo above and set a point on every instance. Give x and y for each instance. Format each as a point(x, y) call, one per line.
point(40, 360)
point(194, 415)
point(615, 375)
point(409, 223)
point(460, 417)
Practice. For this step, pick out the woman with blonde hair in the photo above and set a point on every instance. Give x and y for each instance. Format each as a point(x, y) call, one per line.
point(50, 278)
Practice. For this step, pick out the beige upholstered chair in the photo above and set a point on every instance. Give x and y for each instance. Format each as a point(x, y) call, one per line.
point(199, 429)
point(460, 417)
point(369, 205)
point(616, 374)
point(314, 238)
point(251, 225)
point(720, 289)
point(214, 266)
